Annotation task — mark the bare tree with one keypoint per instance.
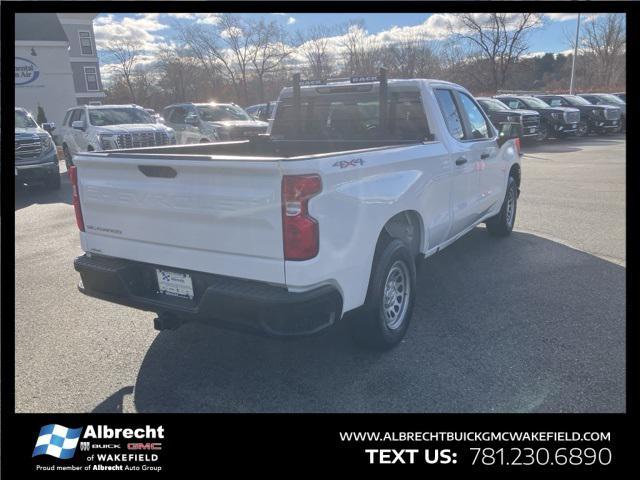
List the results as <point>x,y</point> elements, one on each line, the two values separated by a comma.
<point>125,54</point>
<point>411,57</point>
<point>268,51</point>
<point>314,46</point>
<point>222,50</point>
<point>360,51</point>
<point>499,38</point>
<point>604,40</point>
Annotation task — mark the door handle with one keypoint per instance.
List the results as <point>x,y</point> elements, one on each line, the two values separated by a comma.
<point>484,156</point>
<point>461,161</point>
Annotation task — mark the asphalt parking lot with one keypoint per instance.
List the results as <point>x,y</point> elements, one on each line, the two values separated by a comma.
<point>531,323</point>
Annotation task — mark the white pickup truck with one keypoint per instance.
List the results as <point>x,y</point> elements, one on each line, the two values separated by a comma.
<point>324,218</point>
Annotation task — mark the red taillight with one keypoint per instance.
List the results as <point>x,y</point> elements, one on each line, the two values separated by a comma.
<point>75,196</point>
<point>301,236</point>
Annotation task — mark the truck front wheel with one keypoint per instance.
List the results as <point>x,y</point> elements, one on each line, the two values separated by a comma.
<point>384,318</point>
<point>502,223</point>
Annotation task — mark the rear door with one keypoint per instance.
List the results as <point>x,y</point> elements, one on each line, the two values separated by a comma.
<point>194,213</point>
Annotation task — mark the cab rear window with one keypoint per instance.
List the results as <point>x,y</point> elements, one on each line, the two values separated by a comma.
<point>351,116</point>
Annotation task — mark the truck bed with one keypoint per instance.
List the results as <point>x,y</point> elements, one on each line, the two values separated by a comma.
<point>264,148</point>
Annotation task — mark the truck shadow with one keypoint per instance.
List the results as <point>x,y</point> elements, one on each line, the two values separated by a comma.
<point>571,144</point>
<point>521,324</point>
<point>38,194</point>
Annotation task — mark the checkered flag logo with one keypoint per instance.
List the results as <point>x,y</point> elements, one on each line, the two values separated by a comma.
<point>57,441</point>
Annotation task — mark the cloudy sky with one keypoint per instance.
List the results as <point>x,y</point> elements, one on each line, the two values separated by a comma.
<point>155,29</point>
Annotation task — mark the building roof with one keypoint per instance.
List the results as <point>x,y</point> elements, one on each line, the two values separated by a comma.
<point>39,27</point>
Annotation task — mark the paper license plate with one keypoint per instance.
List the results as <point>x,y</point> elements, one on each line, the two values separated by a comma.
<point>175,284</point>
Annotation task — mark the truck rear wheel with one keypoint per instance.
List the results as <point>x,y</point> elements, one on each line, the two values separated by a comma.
<point>384,318</point>
<point>502,224</point>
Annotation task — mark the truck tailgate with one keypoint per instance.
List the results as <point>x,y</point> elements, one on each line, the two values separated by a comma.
<point>215,216</point>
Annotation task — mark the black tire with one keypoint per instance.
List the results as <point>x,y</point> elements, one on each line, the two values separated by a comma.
<point>583,129</point>
<point>68,159</point>
<point>502,224</point>
<point>52,181</point>
<point>543,132</point>
<point>374,326</point>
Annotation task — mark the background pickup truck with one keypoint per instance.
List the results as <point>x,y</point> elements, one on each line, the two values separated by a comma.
<point>36,159</point>
<point>289,232</point>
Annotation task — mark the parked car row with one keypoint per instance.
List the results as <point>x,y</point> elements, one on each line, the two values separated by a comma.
<point>87,128</point>
<point>557,115</point>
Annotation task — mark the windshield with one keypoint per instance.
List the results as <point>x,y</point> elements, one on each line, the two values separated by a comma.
<point>534,102</point>
<point>576,101</point>
<point>611,99</point>
<point>493,104</point>
<point>24,120</point>
<point>221,113</point>
<point>101,117</point>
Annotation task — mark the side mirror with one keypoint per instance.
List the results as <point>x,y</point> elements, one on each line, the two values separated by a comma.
<point>508,131</point>
<point>49,127</point>
<point>78,125</point>
<point>191,120</point>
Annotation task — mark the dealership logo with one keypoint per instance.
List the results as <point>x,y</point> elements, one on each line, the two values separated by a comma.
<point>57,441</point>
<point>26,71</point>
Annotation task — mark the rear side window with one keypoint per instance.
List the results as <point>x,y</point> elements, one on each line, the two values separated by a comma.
<point>67,117</point>
<point>76,115</point>
<point>450,113</point>
<point>479,127</point>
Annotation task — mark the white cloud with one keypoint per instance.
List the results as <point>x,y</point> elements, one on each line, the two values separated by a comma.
<point>138,27</point>
<point>291,20</point>
<point>563,17</point>
<point>208,18</point>
<point>186,16</point>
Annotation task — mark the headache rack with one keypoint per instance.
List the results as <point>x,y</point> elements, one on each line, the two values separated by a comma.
<point>381,78</point>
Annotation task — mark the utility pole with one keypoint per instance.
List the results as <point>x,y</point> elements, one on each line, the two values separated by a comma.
<point>575,54</point>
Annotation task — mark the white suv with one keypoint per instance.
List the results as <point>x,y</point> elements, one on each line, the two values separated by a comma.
<point>89,128</point>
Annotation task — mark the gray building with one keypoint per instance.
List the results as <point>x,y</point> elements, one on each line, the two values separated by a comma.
<point>56,64</point>
<point>83,56</point>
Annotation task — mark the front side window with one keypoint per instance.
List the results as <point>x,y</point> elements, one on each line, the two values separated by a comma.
<point>24,120</point>
<point>86,46</point>
<point>91,77</point>
<point>221,113</point>
<point>556,102</point>
<point>514,103</point>
<point>479,127</point>
<point>450,113</point>
<point>101,117</point>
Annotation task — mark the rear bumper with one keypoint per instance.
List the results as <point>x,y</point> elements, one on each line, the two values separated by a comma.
<point>224,301</point>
